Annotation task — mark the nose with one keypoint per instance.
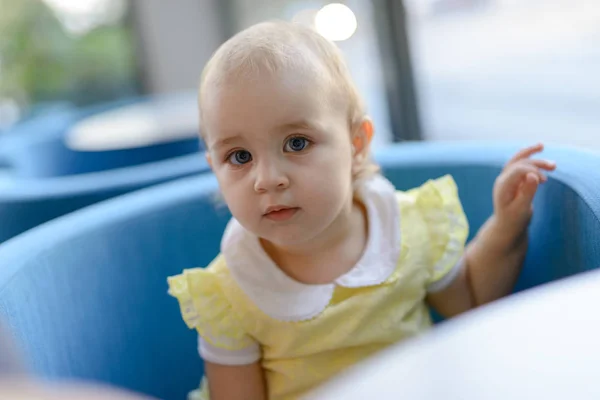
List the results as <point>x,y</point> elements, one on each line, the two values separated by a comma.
<point>270,177</point>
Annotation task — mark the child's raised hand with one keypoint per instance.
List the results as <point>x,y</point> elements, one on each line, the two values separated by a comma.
<point>517,184</point>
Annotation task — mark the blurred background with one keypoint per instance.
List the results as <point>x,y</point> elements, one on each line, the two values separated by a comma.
<point>98,99</point>
<point>428,69</point>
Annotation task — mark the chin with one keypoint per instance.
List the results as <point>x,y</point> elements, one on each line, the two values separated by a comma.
<point>281,235</point>
<point>290,236</point>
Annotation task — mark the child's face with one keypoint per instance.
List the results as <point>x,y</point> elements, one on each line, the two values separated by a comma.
<point>277,144</point>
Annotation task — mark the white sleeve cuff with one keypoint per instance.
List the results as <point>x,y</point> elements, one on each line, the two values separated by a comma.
<point>447,279</point>
<point>247,355</point>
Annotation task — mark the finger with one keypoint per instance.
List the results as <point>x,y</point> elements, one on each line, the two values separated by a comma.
<point>514,175</point>
<point>514,178</point>
<point>526,153</point>
<point>528,189</point>
<point>541,165</point>
<point>546,165</point>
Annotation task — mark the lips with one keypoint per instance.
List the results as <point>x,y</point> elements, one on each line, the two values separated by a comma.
<point>280,213</point>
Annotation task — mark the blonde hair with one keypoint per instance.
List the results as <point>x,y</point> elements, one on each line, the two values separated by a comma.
<point>276,46</point>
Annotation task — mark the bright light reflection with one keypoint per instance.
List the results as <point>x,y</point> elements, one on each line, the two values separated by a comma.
<point>336,22</point>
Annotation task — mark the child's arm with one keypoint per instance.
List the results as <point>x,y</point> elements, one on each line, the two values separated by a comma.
<point>494,257</point>
<point>245,382</point>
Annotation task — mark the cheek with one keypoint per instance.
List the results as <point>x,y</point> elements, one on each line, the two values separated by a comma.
<point>336,160</point>
<point>235,190</point>
<point>330,174</point>
<point>227,185</point>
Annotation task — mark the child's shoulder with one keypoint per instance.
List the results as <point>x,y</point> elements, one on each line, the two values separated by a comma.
<point>434,211</point>
<point>199,278</point>
<point>197,289</point>
<point>217,266</point>
<point>205,305</point>
<point>434,193</point>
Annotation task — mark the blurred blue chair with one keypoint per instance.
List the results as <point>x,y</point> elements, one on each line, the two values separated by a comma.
<point>26,203</point>
<point>37,147</point>
<point>85,295</point>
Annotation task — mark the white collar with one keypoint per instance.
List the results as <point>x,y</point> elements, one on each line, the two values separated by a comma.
<point>284,298</point>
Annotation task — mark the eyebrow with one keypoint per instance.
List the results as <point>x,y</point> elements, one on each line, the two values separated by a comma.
<point>226,141</point>
<point>284,127</point>
<point>296,125</point>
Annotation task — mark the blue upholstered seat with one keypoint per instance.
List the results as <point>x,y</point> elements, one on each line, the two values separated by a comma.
<point>85,295</point>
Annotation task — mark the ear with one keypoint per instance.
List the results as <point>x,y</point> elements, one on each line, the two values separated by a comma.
<point>361,140</point>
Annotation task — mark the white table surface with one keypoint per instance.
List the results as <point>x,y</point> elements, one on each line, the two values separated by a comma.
<point>541,344</point>
<point>137,125</point>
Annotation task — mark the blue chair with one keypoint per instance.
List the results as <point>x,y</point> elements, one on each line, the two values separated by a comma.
<point>37,147</point>
<point>85,295</point>
<point>565,228</point>
<point>26,203</point>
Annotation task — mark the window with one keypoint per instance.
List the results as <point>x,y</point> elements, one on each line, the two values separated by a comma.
<point>507,69</point>
<point>76,51</point>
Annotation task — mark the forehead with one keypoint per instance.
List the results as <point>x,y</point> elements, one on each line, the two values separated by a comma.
<point>268,100</point>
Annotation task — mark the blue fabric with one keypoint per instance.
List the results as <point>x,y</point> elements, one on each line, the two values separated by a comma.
<point>565,230</point>
<point>36,148</point>
<point>85,295</point>
<point>26,203</point>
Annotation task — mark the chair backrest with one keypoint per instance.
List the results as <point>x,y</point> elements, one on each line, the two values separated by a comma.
<point>565,230</point>
<point>26,203</point>
<point>37,147</point>
<point>92,303</point>
<point>85,295</point>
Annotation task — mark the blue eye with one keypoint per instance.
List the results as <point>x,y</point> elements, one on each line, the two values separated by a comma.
<point>240,157</point>
<point>296,144</point>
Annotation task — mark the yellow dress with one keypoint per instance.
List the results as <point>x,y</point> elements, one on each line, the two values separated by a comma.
<point>297,356</point>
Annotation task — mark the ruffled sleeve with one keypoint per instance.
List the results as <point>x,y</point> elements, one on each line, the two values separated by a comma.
<point>205,307</point>
<point>446,223</point>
